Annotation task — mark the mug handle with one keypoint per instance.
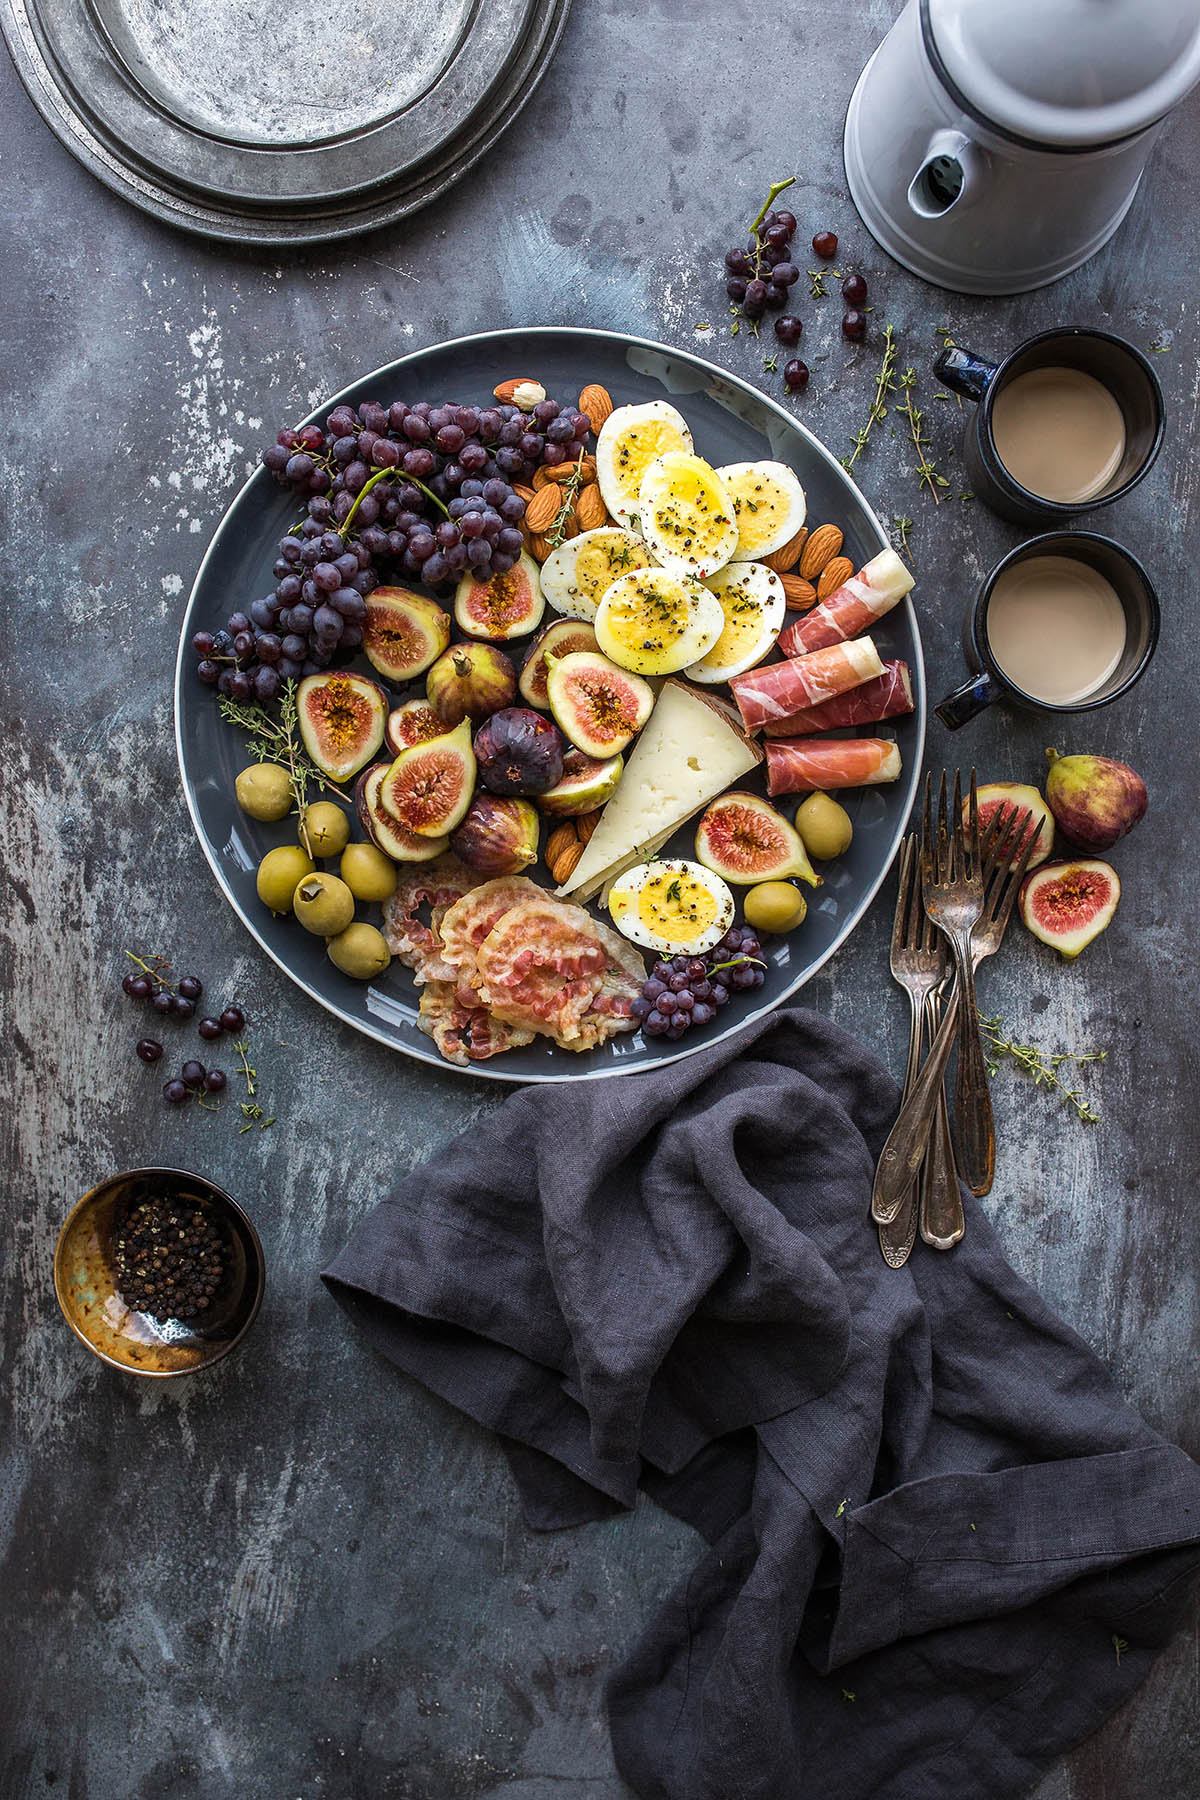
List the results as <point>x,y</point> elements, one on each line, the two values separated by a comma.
<point>982,690</point>
<point>964,372</point>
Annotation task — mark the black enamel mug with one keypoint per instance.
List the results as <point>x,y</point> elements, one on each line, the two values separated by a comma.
<point>1117,365</point>
<point>1139,602</point>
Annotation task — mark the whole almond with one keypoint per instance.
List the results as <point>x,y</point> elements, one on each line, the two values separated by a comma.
<point>833,575</point>
<point>823,545</point>
<point>526,493</point>
<point>539,547</point>
<point>520,391</point>
<point>798,594</point>
<point>596,402</point>
<point>591,509</point>
<point>542,477</point>
<point>564,848</point>
<point>586,824</point>
<point>542,510</point>
<point>789,555</point>
<point>583,467</point>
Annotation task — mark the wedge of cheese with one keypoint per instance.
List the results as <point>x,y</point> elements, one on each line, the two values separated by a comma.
<point>690,750</point>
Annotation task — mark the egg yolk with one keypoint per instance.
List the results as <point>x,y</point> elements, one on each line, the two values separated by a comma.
<point>675,907</point>
<point>637,449</point>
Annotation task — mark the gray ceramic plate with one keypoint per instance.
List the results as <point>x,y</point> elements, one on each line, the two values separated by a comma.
<point>730,422</point>
<point>266,124</point>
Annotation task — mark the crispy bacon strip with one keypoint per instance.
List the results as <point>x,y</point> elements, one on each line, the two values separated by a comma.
<point>887,697</point>
<point>778,690</point>
<point>854,607</point>
<point>800,766</point>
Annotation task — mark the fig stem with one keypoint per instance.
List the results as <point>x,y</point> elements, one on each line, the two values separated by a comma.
<point>378,476</point>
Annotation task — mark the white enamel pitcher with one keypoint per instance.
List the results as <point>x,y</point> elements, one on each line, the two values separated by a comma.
<point>993,145</point>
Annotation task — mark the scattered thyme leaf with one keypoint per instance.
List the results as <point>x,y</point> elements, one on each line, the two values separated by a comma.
<point>674,892</point>
<point>927,469</point>
<point>816,285</point>
<point>900,530</point>
<point>253,1115</point>
<point>570,491</point>
<point>1043,1067</point>
<point>1120,1645</point>
<point>771,364</point>
<point>849,1694</point>
<point>841,1507</point>
<point>884,385</point>
<point>1160,346</point>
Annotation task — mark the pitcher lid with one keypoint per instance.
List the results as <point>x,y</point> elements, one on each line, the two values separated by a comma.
<point>1068,72</point>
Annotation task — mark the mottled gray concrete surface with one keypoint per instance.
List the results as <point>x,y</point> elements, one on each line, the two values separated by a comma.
<point>300,1575</point>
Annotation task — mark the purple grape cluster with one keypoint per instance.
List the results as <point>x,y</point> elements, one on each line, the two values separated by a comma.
<point>759,279</point>
<point>688,990</point>
<point>424,492</point>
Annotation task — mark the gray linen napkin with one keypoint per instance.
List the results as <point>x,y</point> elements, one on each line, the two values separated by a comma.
<point>918,1488</point>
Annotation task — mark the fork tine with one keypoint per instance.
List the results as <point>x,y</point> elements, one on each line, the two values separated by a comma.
<point>903,898</point>
<point>927,846</point>
<point>974,825</point>
<point>1016,876</point>
<point>945,858</point>
<point>995,833</point>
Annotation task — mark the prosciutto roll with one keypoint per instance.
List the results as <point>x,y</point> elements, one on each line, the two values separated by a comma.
<point>802,765</point>
<point>778,690</point>
<point>887,697</point>
<point>855,606</point>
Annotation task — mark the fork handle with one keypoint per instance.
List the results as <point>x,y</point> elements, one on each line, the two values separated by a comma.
<point>898,1236</point>
<point>942,1220</point>
<point>974,1128</point>
<point>901,1155</point>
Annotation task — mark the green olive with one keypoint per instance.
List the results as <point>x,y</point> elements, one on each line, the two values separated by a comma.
<point>264,791</point>
<point>367,872</point>
<point>360,951</point>
<point>325,829</point>
<point>775,906</point>
<point>824,827</point>
<point>323,904</point>
<point>278,874</point>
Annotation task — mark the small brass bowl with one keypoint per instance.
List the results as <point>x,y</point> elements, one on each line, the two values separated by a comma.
<point>85,1282</point>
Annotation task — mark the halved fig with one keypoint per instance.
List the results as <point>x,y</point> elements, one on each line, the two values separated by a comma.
<point>1026,799</point>
<point>598,706</point>
<point>403,633</point>
<point>585,784</point>
<point>561,638</point>
<point>394,840</point>
<point>470,681</point>
<point>1067,904</point>
<point>744,839</point>
<point>342,718</point>
<point>413,723</point>
<point>504,606</point>
<point>429,786</point>
<point>499,835</point>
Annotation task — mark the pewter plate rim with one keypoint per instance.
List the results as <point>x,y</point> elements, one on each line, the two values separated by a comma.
<point>381,201</point>
<point>188,696</point>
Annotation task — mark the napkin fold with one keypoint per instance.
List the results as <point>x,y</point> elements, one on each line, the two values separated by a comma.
<point>940,1546</point>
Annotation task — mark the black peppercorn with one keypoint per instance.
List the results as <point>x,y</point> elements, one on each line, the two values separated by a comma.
<point>169,1257</point>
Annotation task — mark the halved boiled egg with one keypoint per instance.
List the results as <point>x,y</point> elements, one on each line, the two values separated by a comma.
<point>656,622</point>
<point>686,515</point>
<point>752,600</point>
<point>575,575</point>
<point>769,506</point>
<point>671,905</point>
<point>628,441</point>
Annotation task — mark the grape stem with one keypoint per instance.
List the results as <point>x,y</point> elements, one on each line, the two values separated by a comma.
<point>777,188</point>
<point>378,476</point>
<point>154,970</point>
<point>736,963</point>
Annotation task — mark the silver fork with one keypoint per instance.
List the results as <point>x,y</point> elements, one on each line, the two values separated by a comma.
<point>918,963</point>
<point>952,885</point>
<point>942,1220</point>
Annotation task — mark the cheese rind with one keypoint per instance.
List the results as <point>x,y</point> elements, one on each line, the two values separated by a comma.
<point>689,751</point>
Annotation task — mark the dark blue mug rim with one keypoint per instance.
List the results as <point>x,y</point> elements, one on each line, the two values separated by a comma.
<point>1070,509</point>
<point>1043,545</point>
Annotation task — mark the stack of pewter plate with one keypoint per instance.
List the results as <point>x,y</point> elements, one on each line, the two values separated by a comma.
<point>256,123</point>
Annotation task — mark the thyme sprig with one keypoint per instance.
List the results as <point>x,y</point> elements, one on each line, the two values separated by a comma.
<point>901,527</point>
<point>1043,1067</point>
<point>277,740</point>
<point>562,518</point>
<point>928,473</point>
<point>249,1075</point>
<point>884,385</point>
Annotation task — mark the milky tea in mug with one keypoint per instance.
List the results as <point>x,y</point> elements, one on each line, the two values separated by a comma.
<point>1060,433</point>
<point>1056,628</point>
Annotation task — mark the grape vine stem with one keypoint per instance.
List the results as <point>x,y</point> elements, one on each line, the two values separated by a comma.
<point>378,476</point>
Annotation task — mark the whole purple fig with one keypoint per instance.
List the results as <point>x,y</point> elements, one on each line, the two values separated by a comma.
<point>519,752</point>
<point>1094,799</point>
